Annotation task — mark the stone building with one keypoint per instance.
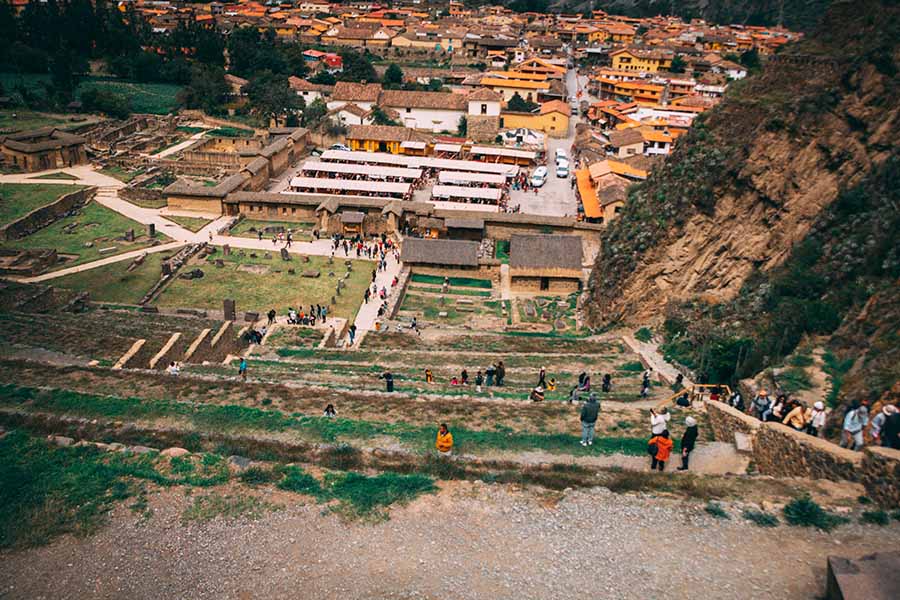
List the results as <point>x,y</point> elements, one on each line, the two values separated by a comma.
<point>42,149</point>
<point>545,263</point>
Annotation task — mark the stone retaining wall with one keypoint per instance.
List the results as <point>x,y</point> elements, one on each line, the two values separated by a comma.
<point>45,215</point>
<point>781,451</point>
<point>136,194</point>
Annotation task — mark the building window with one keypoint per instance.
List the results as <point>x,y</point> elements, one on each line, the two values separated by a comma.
<point>409,110</point>
<point>484,109</point>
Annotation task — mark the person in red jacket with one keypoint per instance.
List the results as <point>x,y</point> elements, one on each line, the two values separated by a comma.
<point>663,450</point>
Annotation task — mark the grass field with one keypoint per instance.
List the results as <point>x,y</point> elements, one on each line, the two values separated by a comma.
<point>230,132</point>
<point>454,281</point>
<point>95,224</point>
<point>114,283</point>
<point>19,199</point>
<point>121,174</point>
<point>155,98</point>
<point>26,119</point>
<point>271,286</point>
<point>195,224</point>
<point>57,175</point>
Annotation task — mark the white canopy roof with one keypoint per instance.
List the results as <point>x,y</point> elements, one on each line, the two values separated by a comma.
<point>312,183</point>
<point>357,169</point>
<point>447,147</point>
<point>452,191</point>
<point>413,145</point>
<point>384,158</point>
<point>510,152</point>
<point>463,177</point>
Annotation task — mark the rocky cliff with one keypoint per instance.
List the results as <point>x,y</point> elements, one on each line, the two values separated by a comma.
<point>776,216</point>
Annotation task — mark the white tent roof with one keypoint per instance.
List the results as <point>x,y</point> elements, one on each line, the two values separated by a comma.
<point>384,158</point>
<point>312,183</point>
<point>462,177</point>
<point>357,169</point>
<point>472,166</point>
<point>452,191</point>
<point>413,145</point>
<point>447,147</point>
<point>510,152</point>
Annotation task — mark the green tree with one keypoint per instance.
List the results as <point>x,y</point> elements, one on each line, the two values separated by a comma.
<point>379,117</point>
<point>519,104</point>
<point>270,95</point>
<point>94,99</point>
<point>323,78</point>
<point>357,67</point>
<point>462,128</point>
<point>206,90</point>
<point>678,64</point>
<point>750,60</point>
<point>295,62</point>
<point>62,76</point>
<point>393,76</point>
<point>314,113</point>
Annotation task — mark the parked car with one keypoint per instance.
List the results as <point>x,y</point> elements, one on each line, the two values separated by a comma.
<point>339,147</point>
<point>562,169</point>
<point>575,110</point>
<point>539,177</point>
<point>561,156</point>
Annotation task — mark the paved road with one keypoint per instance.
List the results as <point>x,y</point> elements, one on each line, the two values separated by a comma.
<point>556,197</point>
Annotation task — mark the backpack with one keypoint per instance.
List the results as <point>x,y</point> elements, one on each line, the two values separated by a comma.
<point>652,449</point>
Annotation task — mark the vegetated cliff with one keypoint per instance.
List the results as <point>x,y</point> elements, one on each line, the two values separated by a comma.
<point>798,15</point>
<point>778,215</point>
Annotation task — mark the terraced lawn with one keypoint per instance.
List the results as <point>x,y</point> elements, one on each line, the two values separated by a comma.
<point>19,199</point>
<point>194,224</point>
<point>259,284</point>
<point>249,228</point>
<point>115,283</point>
<point>85,234</point>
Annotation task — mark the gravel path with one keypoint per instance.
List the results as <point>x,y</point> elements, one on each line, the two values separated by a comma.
<point>469,541</point>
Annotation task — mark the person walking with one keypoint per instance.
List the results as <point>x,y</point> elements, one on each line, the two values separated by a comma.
<point>815,419</point>
<point>479,381</point>
<point>589,414</point>
<point>271,316</point>
<point>429,376</point>
<point>688,439</point>
<point>855,420</point>
<point>352,333</point>
<point>663,446</point>
<point>645,384</point>
<point>464,377</point>
<point>607,383</point>
<point>542,377</point>
<point>388,381</point>
<point>501,373</point>
<point>878,422</point>
<point>242,369</point>
<point>489,375</point>
<point>444,441</point>
<point>659,421</point>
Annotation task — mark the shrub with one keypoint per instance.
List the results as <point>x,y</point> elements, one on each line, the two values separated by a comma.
<point>875,517</point>
<point>716,510</point>
<point>299,481</point>
<point>805,512</point>
<point>631,367</point>
<point>643,335</point>
<point>760,518</point>
<point>258,476</point>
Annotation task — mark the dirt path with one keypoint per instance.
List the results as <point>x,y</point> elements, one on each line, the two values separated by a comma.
<point>470,541</point>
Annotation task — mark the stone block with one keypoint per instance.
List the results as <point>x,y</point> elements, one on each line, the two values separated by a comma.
<point>228,307</point>
<point>174,452</point>
<point>872,577</point>
<point>251,317</point>
<point>743,443</point>
<point>312,273</point>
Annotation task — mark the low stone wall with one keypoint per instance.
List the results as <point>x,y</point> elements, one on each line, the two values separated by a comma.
<point>134,194</point>
<point>45,215</point>
<point>781,451</point>
<point>725,420</point>
<point>880,474</point>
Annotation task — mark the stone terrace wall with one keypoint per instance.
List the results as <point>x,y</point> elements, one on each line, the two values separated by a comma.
<point>881,475</point>
<point>45,215</point>
<point>725,420</point>
<point>780,451</point>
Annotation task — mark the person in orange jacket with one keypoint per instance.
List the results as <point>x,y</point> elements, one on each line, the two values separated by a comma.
<point>663,450</point>
<point>444,442</point>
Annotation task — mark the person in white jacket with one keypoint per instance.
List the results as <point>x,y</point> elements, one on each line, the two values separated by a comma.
<point>815,419</point>
<point>659,422</point>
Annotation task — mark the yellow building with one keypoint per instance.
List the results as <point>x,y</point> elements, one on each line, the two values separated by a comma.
<point>382,138</point>
<point>649,61</point>
<point>553,119</point>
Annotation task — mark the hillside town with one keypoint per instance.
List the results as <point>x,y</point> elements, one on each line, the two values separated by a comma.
<point>292,290</point>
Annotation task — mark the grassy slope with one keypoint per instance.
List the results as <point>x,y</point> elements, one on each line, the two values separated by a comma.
<point>18,199</point>
<point>114,283</point>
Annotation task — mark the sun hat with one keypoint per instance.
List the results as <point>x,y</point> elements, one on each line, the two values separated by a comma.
<point>819,406</point>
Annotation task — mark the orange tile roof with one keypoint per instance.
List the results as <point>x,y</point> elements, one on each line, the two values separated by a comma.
<point>588,194</point>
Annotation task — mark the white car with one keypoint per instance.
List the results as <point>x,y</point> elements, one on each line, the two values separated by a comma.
<point>561,156</point>
<point>339,147</point>
<point>539,177</point>
<point>562,169</point>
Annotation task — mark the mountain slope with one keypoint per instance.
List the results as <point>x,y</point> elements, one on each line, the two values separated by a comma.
<point>777,216</point>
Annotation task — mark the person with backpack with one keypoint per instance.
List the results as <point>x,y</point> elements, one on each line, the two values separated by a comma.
<point>815,419</point>
<point>760,404</point>
<point>589,414</point>
<point>688,440</point>
<point>855,420</point>
<point>660,448</point>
